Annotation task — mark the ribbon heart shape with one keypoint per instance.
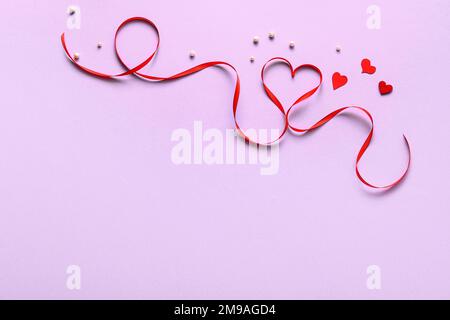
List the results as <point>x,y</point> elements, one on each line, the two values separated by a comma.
<point>136,70</point>
<point>327,118</point>
<point>293,71</point>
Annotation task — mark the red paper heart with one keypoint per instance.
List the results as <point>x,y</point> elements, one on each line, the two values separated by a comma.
<point>339,80</point>
<point>385,88</point>
<point>367,67</point>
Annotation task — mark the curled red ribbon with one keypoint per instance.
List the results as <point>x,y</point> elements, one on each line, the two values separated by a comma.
<point>136,71</point>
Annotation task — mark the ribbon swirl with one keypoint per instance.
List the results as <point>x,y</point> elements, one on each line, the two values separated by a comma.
<point>136,70</point>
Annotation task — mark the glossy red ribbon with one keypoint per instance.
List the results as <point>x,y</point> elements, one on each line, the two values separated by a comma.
<point>137,71</point>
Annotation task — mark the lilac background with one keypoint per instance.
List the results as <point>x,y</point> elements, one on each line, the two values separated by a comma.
<point>86,176</point>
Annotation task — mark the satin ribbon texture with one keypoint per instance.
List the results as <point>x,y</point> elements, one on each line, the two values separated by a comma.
<point>136,70</point>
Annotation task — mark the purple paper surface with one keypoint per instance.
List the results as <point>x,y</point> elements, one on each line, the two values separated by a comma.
<point>87,179</point>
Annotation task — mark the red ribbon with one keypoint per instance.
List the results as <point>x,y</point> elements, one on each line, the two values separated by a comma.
<point>136,71</point>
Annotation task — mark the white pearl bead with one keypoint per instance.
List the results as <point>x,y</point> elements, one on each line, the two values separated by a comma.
<point>76,56</point>
<point>99,45</point>
<point>71,10</point>
<point>192,54</point>
<point>338,49</point>
<point>292,44</point>
<point>255,39</point>
<point>252,59</point>
<point>271,35</point>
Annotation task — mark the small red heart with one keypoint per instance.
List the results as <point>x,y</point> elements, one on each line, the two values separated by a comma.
<point>367,67</point>
<point>385,88</point>
<point>339,80</point>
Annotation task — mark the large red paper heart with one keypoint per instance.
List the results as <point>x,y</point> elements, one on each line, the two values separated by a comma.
<point>367,67</point>
<point>385,88</point>
<point>339,80</point>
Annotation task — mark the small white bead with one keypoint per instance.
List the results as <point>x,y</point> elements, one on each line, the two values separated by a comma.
<point>252,59</point>
<point>192,54</point>
<point>99,45</point>
<point>271,35</point>
<point>76,56</point>
<point>71,10</point>
<point>338,49</point>
<point>292,44</point>
<point>255,39</point>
